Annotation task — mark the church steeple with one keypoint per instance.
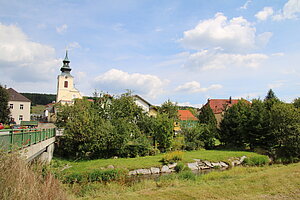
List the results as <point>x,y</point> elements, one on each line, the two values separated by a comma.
<point>65,69</point>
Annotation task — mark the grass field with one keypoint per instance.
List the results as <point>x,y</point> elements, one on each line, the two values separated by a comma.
<point>275,182</point>
<point>38,109</point>
<point>149,161</point>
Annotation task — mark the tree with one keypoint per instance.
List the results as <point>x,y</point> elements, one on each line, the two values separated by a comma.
<point>232,128</point>
<point>271,99</point>
<point>169,108</point>
<point>4,110</point>
<point>258,126</point>
<point>296,102</point>
<point>206,116</point>
<point>164,131</point>
<point>286,128</point>
<point>270,95</point>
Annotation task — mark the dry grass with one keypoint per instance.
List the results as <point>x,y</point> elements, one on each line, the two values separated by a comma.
<point>20,181</point>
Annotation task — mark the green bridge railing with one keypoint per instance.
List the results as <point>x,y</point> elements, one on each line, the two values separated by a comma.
<point>19,138</point>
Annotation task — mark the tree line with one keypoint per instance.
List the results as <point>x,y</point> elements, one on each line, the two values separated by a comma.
<point>40,99</point>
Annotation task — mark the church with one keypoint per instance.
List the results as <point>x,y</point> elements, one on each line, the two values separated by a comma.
<point>66,92</point>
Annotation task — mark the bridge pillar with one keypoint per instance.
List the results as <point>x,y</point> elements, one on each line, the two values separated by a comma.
<point>47,155</point>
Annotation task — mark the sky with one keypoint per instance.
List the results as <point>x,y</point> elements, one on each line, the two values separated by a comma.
<point>183,50</point>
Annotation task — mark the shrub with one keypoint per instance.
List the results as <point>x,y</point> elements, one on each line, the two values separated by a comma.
<point>106,175</point>
<point>74,178</point>
<point>172,157</point>
<point>181,167</point>
<point>187,175</point>
<point>257,160</point>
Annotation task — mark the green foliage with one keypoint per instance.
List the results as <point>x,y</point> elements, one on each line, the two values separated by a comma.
<point>233,132</point>
<point>4,110</point>
<point>296,102</point>
<point>286,129</point>
<point>73,178</point>
<point>187,175</point>
<point>206,116</point>
<point>106,175</point>
<point>170,109</point>
<point>181,167</point>
<point>257,160</point>
<point>172,157</point>
<point>164,132</point>
<point>40,99</point>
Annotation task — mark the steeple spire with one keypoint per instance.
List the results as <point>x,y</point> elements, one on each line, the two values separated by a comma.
<point>65,69</point>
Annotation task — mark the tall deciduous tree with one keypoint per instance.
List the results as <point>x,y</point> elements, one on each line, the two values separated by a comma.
<point>169,108</point>
<point>296,102</point>
<point>4,110</point>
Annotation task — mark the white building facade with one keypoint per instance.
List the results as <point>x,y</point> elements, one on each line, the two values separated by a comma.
<point>19,106</point>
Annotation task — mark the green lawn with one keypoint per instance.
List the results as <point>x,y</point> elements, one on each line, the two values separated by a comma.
<point>38,109</point>
<point>275,182</point>
<point>149,161</point>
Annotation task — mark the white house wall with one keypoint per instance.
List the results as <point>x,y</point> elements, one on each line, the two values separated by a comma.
<point>15,112</point>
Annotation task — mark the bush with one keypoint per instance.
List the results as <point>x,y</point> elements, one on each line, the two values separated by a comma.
<point>257,160</point>
<point>106,175</point>
<point>187,175</point>
<point>172,157</point>
<point>74,178</point>
<point>181,167</point>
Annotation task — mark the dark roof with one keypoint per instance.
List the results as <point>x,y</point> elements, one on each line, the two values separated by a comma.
<point>186,115</point>
<point>15,96</point>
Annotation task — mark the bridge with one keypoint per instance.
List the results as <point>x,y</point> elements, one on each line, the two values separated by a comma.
<point>31,143</point>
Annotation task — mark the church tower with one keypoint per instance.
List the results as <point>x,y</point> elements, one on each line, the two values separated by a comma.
<point>66,92</point>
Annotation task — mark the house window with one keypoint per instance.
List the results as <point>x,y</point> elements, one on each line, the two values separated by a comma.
<point>21,106</point>
<point>66,84</point>
<point>11,106</point>
<point>20,117</point>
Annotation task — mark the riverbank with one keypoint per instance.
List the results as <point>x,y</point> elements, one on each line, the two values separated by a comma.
<point>267,182</point>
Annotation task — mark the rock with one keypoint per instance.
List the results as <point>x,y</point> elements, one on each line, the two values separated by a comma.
<point>204,167</point>
<point>110,167</point>
<point>155,170</point>
<point>207,163</point>
<point>165,169</point>
<point>143,171</point>
<point>200,163</point>
<point>193,166</point>
<point>216,164</point>
<point>172,165</point>
<point>197,160</point>
<point>115,157</point>
<point>223,164</point>
<point>242,159</point>
<point>132,172</point>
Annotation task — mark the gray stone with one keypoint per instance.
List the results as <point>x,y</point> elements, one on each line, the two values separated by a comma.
<point>204,167</point>
<point>223,164</point>
<point>132,172</point>
<point>242,159</point>
<point>197,160</point>
<point>216,164</point>
<point>143,171</point>
<point>165,169</point>
<point>193,166</point>
<point>110,167</point>
<point>207,163</point>
<point>172,165</point>
<point>155,170</point>
<point>200,163</point>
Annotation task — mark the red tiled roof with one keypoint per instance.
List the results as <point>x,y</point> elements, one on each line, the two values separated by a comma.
<point>219,105</point>
<point>186,115</point>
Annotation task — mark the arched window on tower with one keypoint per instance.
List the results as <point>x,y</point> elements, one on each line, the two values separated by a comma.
<point>66,84</point>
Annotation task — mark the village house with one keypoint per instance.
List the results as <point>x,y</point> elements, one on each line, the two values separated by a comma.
<point>145,105</point>
<point>186,120</point>
<point>19,107</point>
<point>219,106</point>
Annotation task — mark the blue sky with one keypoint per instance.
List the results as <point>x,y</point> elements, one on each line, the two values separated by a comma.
<point>185,51</point>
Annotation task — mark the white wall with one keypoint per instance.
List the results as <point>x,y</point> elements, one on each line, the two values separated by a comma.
<point>16,111</point>
<point>142,104</point>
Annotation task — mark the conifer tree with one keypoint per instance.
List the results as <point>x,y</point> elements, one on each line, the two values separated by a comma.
<point>4,110</point>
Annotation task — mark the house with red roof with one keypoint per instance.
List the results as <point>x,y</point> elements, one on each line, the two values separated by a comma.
<point>186,119</point>
<point>219,106</point>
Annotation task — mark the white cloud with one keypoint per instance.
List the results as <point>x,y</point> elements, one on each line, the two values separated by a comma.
<point>190,104</point>
<point>264,14</point>
<point>232,35</point>
<point>289,11</point>
<point>245,6</point>
<point>116,80</point>
<point>276,84</point>
<point>195,87</point>
<point>278,54</point>
<point>73,45</point>
<point>23,60</point>
<point>215,60</point>
<point>62,29</point>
